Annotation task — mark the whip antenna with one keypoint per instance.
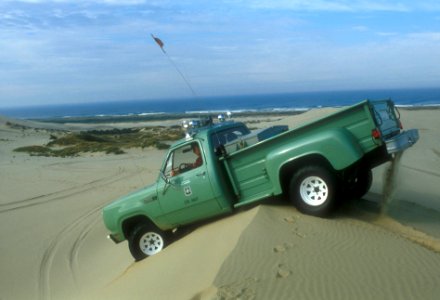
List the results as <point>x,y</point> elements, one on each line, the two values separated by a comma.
<point>161,45</point>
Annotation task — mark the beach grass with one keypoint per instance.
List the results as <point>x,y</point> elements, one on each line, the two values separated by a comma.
<point>113,141</point>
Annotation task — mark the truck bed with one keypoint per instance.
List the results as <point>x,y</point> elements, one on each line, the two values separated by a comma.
<point>253,168</point>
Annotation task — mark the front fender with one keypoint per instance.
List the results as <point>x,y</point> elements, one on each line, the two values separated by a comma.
<point>137,211</point>
<point>338,146</point>
<point>142,202</point>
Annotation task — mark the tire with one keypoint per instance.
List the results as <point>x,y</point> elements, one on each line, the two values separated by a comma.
<point>146,240</point>
<point>361,184</point>
<point>313,190</point>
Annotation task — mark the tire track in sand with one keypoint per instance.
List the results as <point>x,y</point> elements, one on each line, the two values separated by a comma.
<point>41,199</point>
<point>85,223</point>
<point>51,250</point>
<point>79,241</point>
<point>422,171</point>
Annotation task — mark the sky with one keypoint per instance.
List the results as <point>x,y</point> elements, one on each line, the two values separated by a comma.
<point>73,51</point>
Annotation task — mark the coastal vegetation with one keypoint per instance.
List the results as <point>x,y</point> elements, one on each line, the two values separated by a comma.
<point>116,141</point>
<point>112,141</point>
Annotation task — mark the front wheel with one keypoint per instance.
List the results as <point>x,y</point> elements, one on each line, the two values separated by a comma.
<point>146,240</point>
<point>313,190</point>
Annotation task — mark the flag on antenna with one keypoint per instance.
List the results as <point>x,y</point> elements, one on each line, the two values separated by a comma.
<point>158,42</point>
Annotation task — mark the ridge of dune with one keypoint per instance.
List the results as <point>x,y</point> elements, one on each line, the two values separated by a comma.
<point>187,265</point>
<point>275,252</point>
<point>283,254</point>
<point>409,233</point>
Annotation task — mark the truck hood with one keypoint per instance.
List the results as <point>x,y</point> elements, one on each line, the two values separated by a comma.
<point>147,194</point>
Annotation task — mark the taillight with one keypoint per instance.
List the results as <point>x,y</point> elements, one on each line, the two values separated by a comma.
<point>400,125</point>
<point>375,133</point>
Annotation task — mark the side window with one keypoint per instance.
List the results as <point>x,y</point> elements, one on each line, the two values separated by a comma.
<point>183,159</point>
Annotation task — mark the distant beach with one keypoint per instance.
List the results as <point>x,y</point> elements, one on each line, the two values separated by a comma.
<point>287,103</point>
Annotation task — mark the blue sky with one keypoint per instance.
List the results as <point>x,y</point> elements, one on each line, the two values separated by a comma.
<point>68,51</point>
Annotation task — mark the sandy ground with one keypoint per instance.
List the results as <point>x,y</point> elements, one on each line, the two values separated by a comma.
<point>54,246</point>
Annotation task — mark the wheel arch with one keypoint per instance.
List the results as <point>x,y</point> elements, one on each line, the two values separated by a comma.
<point>335,149</point>
<point>129,224</point>
<point>289,168</point>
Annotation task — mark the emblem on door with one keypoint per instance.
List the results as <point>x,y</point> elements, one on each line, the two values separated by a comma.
<point>187,190</point>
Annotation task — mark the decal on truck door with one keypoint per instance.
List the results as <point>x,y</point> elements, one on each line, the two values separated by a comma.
<point>187,190</point>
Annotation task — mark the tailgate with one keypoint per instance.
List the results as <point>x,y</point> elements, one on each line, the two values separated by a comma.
<point>387,119</point>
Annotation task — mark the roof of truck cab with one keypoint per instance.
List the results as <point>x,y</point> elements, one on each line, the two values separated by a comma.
<point>205,132</point>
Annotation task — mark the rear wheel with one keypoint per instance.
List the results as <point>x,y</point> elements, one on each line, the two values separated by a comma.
<point>146,240</point>
<point>360,184</point>
<point>313,190</point>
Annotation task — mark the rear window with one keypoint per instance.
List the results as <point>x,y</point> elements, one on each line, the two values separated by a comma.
<point>386,118</point>
<point>228,135</point>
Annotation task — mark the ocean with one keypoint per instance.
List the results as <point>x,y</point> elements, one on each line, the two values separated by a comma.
<point>241,103</point>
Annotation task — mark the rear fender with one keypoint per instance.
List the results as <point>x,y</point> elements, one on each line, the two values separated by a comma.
<point>337,148</point>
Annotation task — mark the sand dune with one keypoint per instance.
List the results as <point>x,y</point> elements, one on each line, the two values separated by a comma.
<point>54,246</point>
<point>311,258</point>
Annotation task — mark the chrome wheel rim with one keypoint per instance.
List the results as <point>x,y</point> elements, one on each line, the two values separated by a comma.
<point>314,191</point>
<point>151,243</point>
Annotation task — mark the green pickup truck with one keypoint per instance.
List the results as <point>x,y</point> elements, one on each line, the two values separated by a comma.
<point>222,166</point>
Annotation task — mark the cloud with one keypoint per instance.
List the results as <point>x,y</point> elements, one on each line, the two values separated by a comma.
<point>387,34</point>
<point>360,28</point>
<point>332,6</point>
<point>425,36</point>
<point>404,60</point>
<point>344,5</point>
<point>112,2</point>
<point>95,49</point>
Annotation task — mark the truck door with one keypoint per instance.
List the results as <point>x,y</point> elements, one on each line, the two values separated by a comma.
<point>186,195</point>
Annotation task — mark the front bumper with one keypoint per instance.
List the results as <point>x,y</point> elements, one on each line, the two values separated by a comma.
<point>402,141</point>
<point>115,238</point>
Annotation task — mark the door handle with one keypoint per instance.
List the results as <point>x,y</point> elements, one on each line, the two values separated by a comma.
<point>201,174</point>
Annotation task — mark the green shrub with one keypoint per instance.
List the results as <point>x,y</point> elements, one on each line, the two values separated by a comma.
<point>35,150</point>
<point>162,146</point>
<point>108,141</point>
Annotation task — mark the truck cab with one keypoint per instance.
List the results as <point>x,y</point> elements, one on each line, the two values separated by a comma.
<point>190,186</point>
<point>192,182</point>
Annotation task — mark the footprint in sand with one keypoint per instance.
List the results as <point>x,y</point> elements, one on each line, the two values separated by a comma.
<point>238,290</point>
<point>282,247</point>
<point>279,249</point>
<point>297,233</point>
<point>290,220</point>
<point>282,271</point>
